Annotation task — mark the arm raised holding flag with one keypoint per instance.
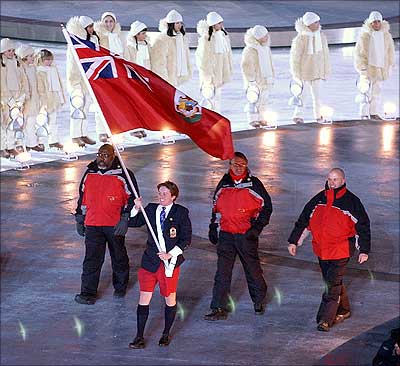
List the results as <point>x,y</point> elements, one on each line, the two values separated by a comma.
<point>130,96</point>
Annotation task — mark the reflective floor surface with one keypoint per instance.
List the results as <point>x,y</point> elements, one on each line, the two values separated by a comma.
<point>41,257</point>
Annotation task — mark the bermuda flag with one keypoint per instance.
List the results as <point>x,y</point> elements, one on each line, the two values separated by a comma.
<point>131,97</point>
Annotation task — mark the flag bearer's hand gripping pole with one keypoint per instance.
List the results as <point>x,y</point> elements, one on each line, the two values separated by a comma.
<point>107,128</point>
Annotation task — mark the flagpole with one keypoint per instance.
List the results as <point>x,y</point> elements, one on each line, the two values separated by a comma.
<point>89,87</point>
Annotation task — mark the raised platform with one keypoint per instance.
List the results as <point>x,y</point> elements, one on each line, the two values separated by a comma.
<point>341,20</point>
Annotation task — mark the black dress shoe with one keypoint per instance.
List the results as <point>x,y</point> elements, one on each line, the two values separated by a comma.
<point>342,317</point>
<point>165,340</point>
<point>78,140</point>
<point>57,145</point>
<point>323,327</point>
<point>4,154</point>
<point>88,140</point>
<point>376,117</point>
<point>216,314</point>
<point>119,293</point>
<point>137,343</point>
<point>39,148</point>
<point>103,137</point>
<point>259,308</point>
<point>85,300</point>
<point>12,152</point>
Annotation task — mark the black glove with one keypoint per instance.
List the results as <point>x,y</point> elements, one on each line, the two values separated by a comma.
<point>252,234</point>
<point>213,233</point>
<point>80,224</point>
<point>122,227</point>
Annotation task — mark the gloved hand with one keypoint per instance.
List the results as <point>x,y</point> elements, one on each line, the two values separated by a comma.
<point>252,234</point>
<point>122,227</point>
<point>213,233</point>
<point>80,224</point>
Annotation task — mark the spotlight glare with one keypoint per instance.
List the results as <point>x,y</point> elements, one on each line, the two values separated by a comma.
<point>231,304</point>
<point>79,326</point>
<point>181,311</point>
<point>22,331</point>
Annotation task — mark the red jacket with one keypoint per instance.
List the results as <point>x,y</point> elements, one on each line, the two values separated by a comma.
<point>241,205</point>
<point>105,194</point>
<point>338,223</point>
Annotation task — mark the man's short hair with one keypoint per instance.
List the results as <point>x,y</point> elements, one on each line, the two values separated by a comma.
<point>171,186</point>
<point>238,154</point>
<point>107,147</point>
<point>338,170</point>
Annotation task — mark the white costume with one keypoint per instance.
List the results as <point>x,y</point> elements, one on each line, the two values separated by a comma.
<point>257,70</point>
<point>213,58</point>
<point>373,59</point>
<point>309,60</point>
<point>170,54</point>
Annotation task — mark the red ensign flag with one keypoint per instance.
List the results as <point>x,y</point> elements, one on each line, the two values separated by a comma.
<point>131,96</point>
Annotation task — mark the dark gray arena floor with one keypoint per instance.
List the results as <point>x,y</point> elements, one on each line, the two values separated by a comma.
<point>41,257</point>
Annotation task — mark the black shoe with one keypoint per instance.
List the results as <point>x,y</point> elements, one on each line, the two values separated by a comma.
<point>342,317</point>
<point>38,148</point>
<point>103,137</point>
<point>85,300</point>
<point>137,343</point>
<point>323,326</point>
<point>259,308</point>
<point>376,117</point>
<point>79,141</point>
<point>139,134</point>
<point>88,140</point>
<point>57,145</point>
<point>12,152</point>
<point>4,154</point>
<point>216,314</point>
<point>119,293</point>
<point>164,340</point>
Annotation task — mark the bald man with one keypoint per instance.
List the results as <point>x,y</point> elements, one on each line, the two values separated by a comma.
<point>339,224</point>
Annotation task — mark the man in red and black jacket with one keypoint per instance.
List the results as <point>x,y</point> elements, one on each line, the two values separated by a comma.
<point>102,214</point>
<point>245,208</point>
<point>339,224</point>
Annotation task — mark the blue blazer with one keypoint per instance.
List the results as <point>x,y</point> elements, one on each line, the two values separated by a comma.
<point>177,231</point>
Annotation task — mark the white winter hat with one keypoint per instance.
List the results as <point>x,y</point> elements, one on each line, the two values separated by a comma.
<point>375,15</point>
<point>137,27</point>
<point>310,18</point>
<point>7,44</point>
<point>259,31</point>
<point>213,18</point>
<point>108,13</point>
<point>173,17</point>
<point>24,50</point>
<point>84,21</point>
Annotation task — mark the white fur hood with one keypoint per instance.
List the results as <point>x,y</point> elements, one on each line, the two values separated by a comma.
<point>301,28</point>
<point>163,26</point>
<point>202,27</point>
<point>100,28</point>
<point>74,26</point>
<point>251,41</point>
<point>367,27</point>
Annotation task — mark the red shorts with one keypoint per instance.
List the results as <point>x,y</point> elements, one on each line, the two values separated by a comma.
<point>148,280</point>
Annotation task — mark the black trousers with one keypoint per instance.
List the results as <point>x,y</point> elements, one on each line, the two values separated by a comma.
<point>334,299</point>
<point>96,238</point>
<point>229,245</point>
